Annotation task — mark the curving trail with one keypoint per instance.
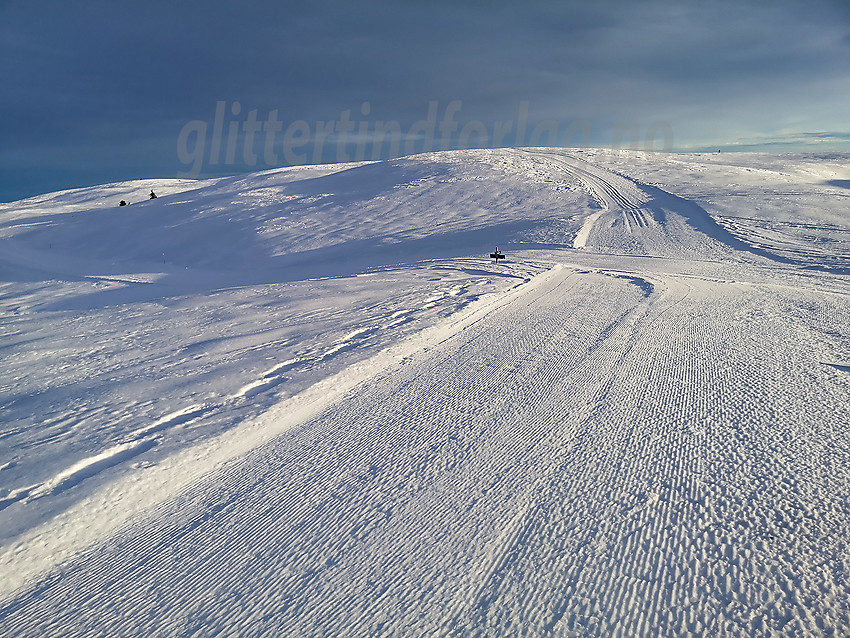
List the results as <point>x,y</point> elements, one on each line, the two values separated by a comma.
<point>640,219</point>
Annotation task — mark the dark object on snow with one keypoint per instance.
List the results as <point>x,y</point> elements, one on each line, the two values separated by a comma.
<point>123,203</point>
<point>153,195</point>
<point>497,255</point>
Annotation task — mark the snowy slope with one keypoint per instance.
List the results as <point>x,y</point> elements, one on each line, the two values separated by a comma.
<point>263,278</point>
<point>304,402</point>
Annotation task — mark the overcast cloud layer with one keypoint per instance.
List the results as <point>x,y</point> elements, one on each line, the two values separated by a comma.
<point>100,91</point>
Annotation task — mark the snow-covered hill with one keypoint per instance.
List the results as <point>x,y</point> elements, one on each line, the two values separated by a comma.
<point>306,402</point>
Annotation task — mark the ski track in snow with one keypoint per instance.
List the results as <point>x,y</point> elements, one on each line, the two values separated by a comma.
<point>650,439</point>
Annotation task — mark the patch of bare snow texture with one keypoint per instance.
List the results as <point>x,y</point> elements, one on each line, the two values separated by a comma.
<point>305,402</point>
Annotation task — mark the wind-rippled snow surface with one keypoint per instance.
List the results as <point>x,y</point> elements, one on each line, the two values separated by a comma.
<point>305,403</point>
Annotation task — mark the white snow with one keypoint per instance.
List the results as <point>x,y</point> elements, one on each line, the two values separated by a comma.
<point>305,402</point>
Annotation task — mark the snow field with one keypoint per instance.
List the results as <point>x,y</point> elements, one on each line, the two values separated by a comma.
<point>578,446</point>
<point>635,426</point>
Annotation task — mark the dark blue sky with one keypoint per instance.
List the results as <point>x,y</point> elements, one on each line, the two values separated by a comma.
<point>100,91</point>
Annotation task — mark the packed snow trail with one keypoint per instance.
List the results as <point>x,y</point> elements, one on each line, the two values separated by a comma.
<point>604,455</point>
<point>640,219</point>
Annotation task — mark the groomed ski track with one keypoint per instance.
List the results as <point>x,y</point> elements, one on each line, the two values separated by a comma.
<point>607,452</point>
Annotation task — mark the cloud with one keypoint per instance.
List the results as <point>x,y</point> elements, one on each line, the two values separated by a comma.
<point>812,140</point>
